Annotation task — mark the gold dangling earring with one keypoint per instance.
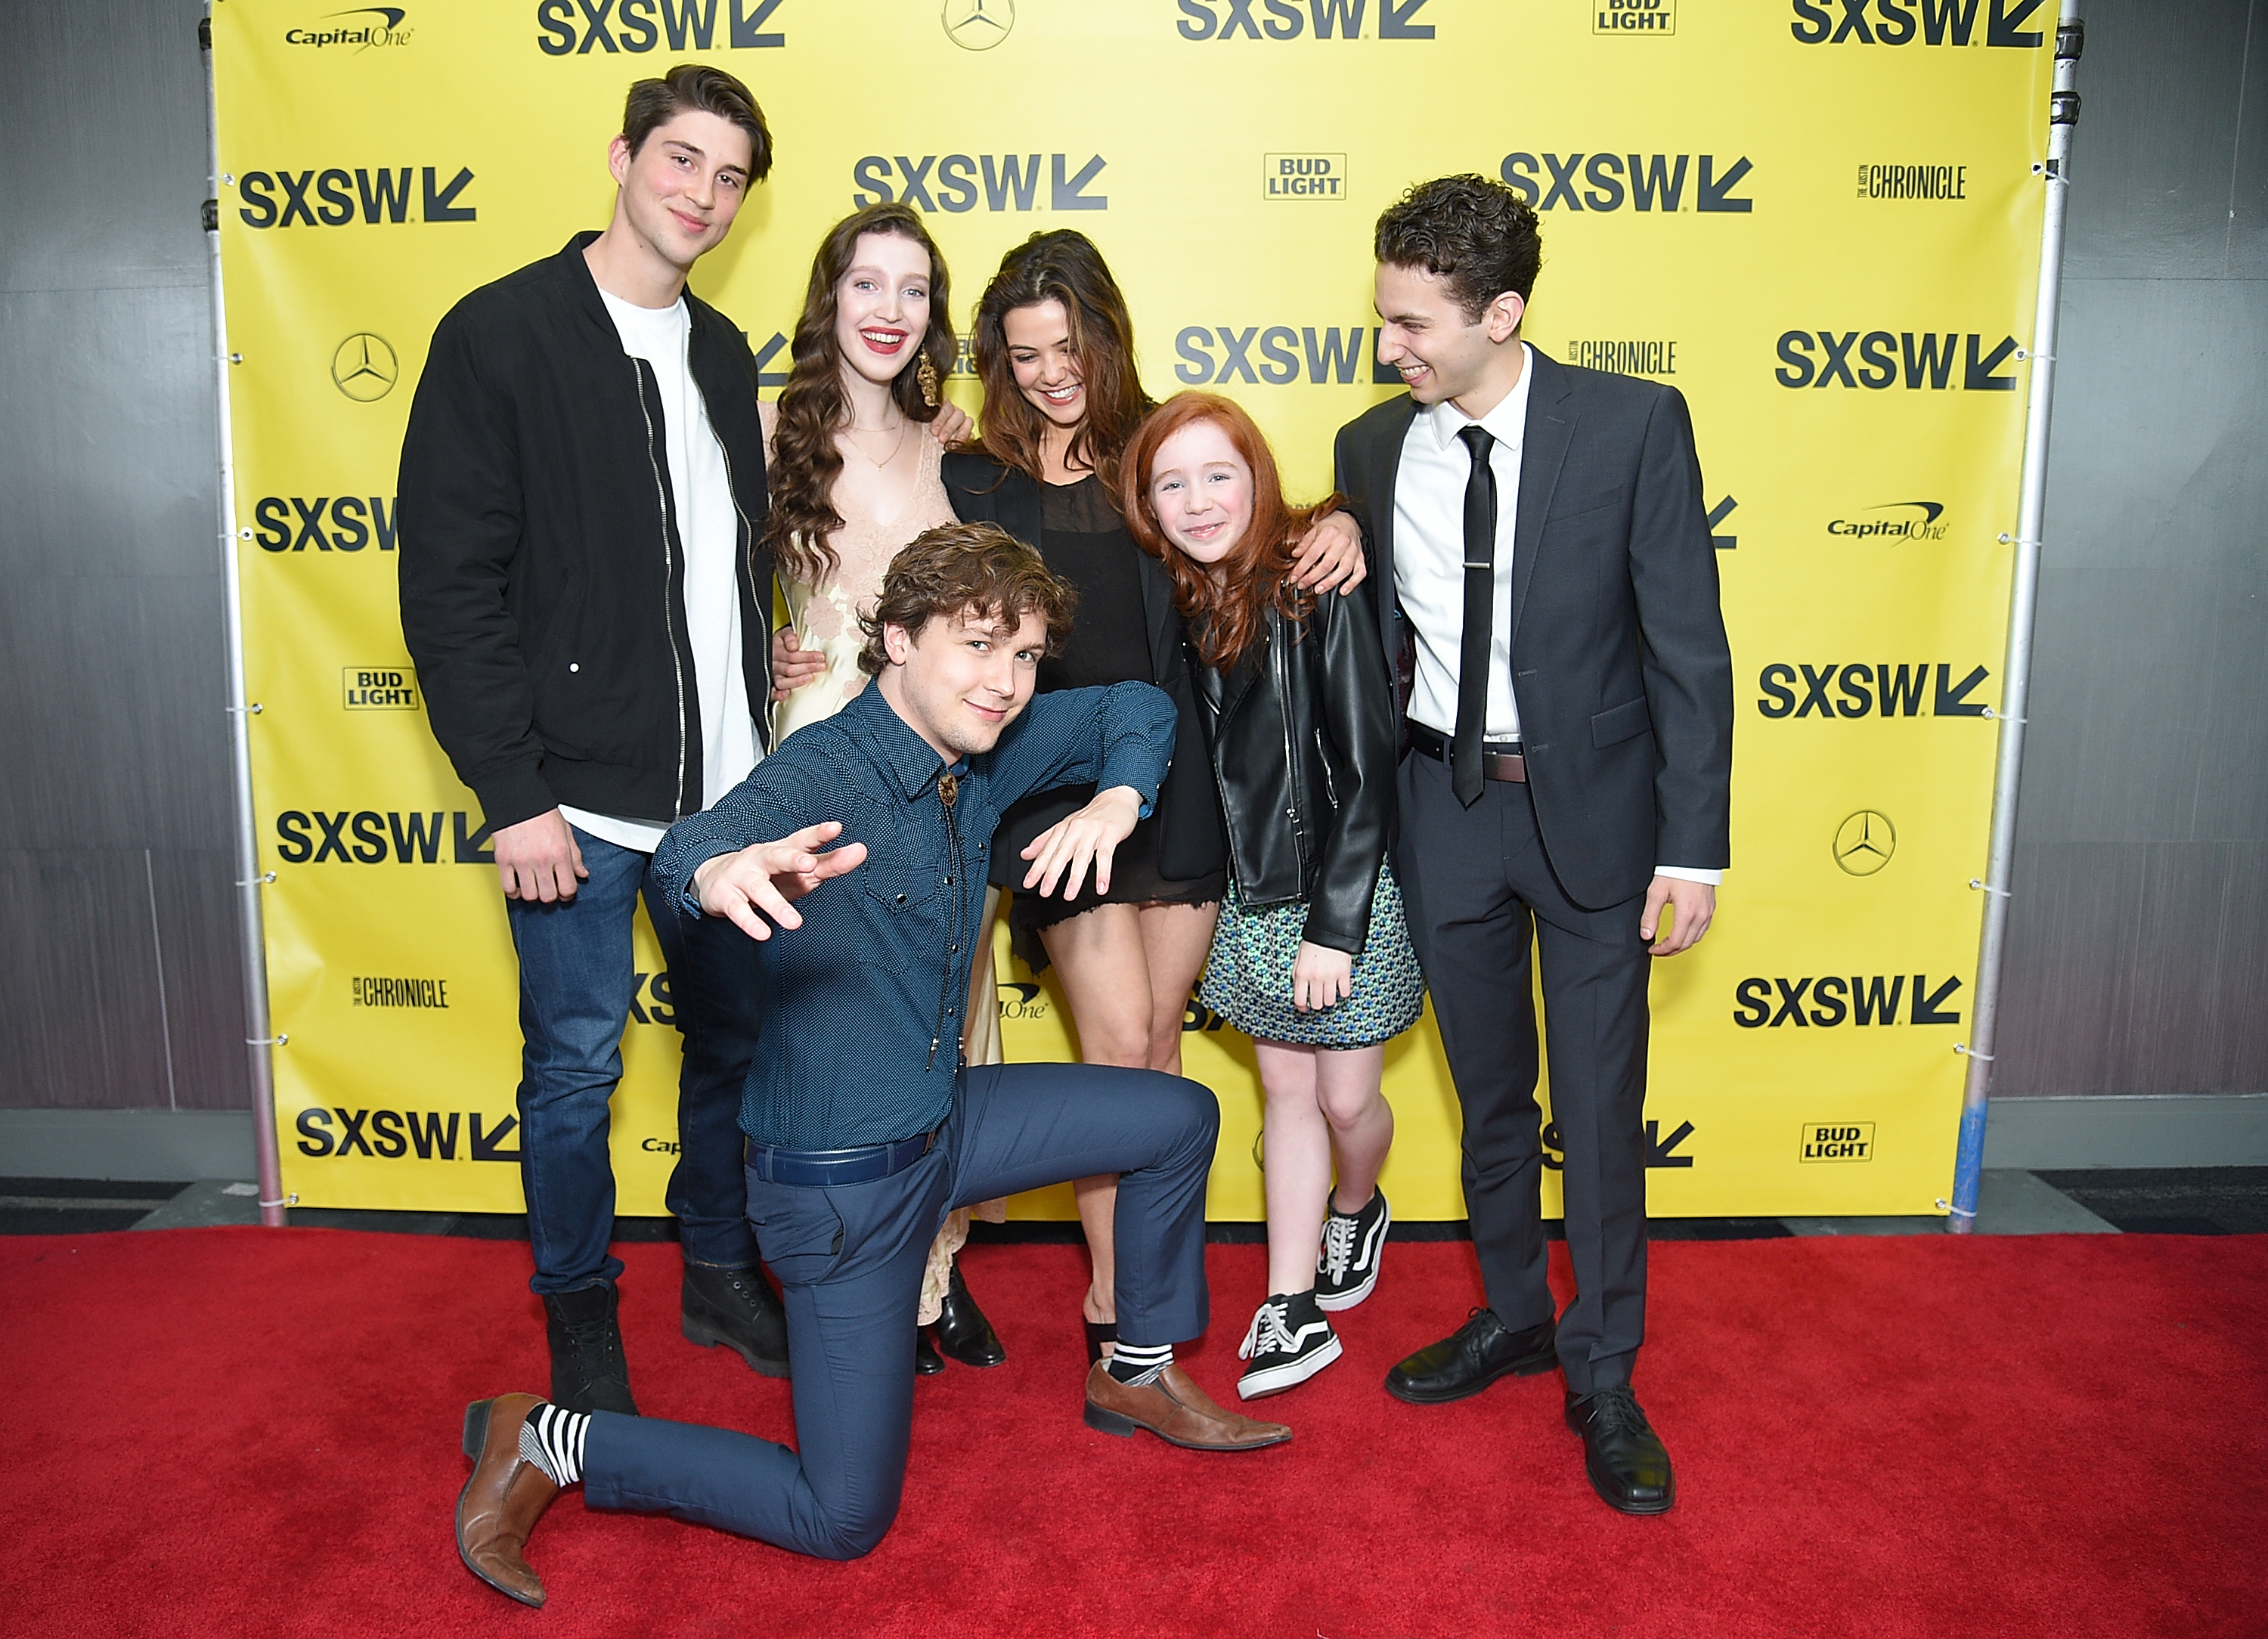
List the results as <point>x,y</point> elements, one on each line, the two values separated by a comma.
<point>926,375</point>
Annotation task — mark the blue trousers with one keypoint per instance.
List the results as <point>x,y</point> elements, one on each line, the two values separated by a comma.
<point>576,983</point>
<point>850,1259</point>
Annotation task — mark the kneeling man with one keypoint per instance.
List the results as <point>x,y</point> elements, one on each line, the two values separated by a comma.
<point>864,1128</point>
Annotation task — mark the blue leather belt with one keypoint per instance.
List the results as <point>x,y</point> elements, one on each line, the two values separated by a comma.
<point>862,1163</point>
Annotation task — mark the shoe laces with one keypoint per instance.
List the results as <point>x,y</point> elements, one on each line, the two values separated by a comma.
<point>1338,1243</point>
<point>1615,1411</point>
<point>1269,1331</point>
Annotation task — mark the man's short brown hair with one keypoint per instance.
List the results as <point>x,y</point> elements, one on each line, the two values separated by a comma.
<point>1476,235</point>
<point>979,570</point>
<point>695,87</point>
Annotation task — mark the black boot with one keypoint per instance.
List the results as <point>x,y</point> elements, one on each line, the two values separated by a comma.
<point>735,1307</point>
<point>962,1331</point>
<point>588,1373</point>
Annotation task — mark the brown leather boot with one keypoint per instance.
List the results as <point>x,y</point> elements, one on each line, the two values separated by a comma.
<point>1176,1410</point>
<point>503,1499</point>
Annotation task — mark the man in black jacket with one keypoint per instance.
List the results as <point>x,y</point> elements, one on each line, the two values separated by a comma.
<point>1569,723</point>
<point>584,592</point>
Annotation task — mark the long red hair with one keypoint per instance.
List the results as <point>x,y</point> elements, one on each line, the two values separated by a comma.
<point>1226,604</point>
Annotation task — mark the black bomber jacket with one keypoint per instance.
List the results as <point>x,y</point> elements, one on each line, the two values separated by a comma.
<point>542,577</point>
<point>1303,751</point>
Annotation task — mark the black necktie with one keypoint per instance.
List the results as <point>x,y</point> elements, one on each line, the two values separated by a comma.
<point>1480,603</point>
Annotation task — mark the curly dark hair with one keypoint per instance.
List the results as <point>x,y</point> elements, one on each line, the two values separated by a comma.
<point>695,86</point>
<point>1476,235</point>
<point>805,462</point>
<point>978,568</point>
<point>1062,266</point>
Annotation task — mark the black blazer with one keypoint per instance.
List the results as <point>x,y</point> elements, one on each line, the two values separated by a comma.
<point>1303,754</point>
<point>1620,667</point>
<point>1190,840</point>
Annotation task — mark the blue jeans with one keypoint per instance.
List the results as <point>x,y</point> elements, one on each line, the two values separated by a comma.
<point>849,1260</point>
<point>576,983</point>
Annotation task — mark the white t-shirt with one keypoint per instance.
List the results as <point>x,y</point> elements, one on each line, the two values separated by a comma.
<point>708,526</point>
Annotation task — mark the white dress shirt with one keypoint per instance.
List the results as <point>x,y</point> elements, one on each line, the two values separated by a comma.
<point>1429,563</point>
<point>708,527</point>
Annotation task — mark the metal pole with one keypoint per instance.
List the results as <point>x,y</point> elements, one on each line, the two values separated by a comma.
<point>2063,116</point>
<point>250,883</point>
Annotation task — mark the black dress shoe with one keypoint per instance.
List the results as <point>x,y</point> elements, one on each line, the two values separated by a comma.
<point>962,1331</point>
<point>1476,1354</point>
<point>588,1373</point>
<point>735,1307</point>
<point>1624,1457</point>
<point>927,1362</point>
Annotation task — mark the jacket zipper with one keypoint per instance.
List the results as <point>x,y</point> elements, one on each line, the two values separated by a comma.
<point>1284,722</point>
<point>669,563</point>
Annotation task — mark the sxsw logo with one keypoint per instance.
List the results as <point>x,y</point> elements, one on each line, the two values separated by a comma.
<point>1303,176</point>
<point>1607,182</point>
<point>389,1135</point>
<point>346,523</point>
<point>578,28</point>
<point>369,837</point>
<point>1893,22</point>
<point>1898,521</point>
<point>280,199</point>
<point>1659,1152</point>
<point>1768,1004</point>
<point>1011,182</point>
<point>1277,356</point>
<point>1634,16</point>
<point>1858,690</point>
<point>1836,1140</point>
<point>1287,19</point>
<point>1923,362</point>
<point>362,29</point>
<point>378,688</point>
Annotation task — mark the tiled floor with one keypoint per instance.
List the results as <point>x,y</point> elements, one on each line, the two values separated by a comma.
<point>2188,1200</point>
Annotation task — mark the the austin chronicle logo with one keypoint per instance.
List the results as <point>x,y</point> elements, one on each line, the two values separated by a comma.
<point>1865,843</point>
<point>977,24</point>
<point>365,367</point>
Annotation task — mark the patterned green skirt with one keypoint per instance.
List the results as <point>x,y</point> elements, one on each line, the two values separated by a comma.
<point>1247,979</point>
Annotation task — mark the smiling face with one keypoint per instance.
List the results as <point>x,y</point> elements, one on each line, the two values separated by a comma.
<point>961,680</point>
<point>881,305</point>
<point>682,189</point>
<point>1201,489</point>
<point>1046,367</point>
<point>1441,351</point>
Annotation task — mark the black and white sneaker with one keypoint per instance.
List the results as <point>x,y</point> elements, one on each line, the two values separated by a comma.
<point>1289,1342</point>
<point>1348,1266</point>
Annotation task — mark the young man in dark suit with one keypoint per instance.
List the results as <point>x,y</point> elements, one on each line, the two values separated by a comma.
<point>1553,615</point>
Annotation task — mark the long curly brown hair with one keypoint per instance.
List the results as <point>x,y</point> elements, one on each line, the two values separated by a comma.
<point>1226,604</point>
<point>813,406</point>
<point>1062,266</point>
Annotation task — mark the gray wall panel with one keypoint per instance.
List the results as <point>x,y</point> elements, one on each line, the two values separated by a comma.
<point>119,976</point>
<point>2136,963</point>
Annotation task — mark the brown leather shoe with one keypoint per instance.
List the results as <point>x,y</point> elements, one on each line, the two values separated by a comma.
<point>1176,1410</point>
<point>503,1499</point>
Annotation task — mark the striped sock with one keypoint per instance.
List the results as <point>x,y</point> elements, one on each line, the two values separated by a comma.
<point>552,1439</point>
<point>1134,1366</point>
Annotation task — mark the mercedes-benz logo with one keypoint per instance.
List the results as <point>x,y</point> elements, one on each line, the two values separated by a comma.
<point>1865,843</point>
<point>365,367</point>
<point>977,24</point>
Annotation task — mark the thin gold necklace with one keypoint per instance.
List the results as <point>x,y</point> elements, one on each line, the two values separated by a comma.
<point>896,444</point>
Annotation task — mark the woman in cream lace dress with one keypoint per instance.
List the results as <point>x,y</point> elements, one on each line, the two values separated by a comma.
<point>854,476</point>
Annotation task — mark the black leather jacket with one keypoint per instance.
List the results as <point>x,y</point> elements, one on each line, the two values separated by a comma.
<point>1303,751</point>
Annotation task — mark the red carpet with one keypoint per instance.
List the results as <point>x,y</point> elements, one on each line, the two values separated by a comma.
<point>253,1432</point>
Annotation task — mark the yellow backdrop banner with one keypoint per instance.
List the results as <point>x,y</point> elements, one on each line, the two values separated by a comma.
<point>1820,221</point>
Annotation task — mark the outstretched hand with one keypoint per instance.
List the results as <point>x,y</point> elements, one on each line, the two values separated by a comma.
<point>1091,833</point>
<point>765,877</point>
